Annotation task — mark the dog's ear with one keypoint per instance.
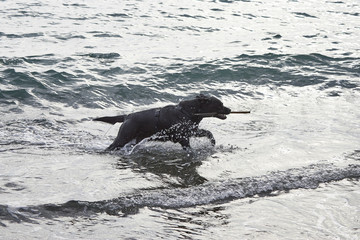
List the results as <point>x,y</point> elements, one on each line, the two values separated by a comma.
<point>203,99</point>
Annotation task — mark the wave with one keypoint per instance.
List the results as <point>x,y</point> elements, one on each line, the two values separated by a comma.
<point>10,97</point>
<point>303,15</point>
<point>119,15</point>
<point>103,55</point>
<point>264,70</point>
<point>69,36</point>
<point>24,35</point>
<point>105,83</point>
<point>107,35</point>
<point>309,177</point>
<point>47,134</point>
<point>42,60</point>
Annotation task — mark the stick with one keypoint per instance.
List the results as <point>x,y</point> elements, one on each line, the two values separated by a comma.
<point>211,114</point>
<point>240,112</point>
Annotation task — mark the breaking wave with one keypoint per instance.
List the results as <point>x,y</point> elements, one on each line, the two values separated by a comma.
<point>309,177</point>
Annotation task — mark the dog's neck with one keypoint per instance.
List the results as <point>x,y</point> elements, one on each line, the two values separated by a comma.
<point>189,108</point>
<point>185,111</point>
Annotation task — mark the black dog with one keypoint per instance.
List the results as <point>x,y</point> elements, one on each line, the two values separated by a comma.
<point>176,123</point>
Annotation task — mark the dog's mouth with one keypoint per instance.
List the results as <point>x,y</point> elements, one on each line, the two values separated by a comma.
<point>220,116</point>
<point>223,113</point>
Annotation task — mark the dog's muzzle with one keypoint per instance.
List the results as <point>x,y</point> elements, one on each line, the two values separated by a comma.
<point>222,114</point>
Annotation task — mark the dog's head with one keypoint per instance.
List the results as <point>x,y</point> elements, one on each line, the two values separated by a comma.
<point>206,106</point>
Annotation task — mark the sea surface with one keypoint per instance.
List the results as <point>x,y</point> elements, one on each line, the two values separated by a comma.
<point>288,170</point>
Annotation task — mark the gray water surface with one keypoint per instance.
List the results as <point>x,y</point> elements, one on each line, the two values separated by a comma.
<point>288,170</point>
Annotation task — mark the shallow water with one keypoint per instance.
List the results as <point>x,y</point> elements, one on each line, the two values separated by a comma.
<point>288,170</point>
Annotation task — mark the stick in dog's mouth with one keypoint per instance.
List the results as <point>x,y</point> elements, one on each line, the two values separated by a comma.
<point>219,115</point>
<point>240,112</point>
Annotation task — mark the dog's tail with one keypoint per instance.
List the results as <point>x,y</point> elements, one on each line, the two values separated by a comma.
<point>111,120</point>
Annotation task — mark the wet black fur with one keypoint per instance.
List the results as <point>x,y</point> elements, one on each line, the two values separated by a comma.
<point>176,123</point>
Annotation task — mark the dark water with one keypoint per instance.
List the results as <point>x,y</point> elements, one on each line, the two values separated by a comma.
<point>288,170</point>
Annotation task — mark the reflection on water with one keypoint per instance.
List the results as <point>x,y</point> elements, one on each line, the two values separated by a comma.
<point>175,167</point>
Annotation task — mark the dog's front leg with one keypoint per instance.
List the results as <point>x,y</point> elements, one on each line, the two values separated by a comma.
<point>185,143</point>
<point>205,133</point>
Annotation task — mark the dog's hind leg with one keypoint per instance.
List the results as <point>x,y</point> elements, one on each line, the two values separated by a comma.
<point>205,133</point>
<point>127,132</point>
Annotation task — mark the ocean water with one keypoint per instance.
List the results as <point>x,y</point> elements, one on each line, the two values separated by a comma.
<point>288,170</point>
